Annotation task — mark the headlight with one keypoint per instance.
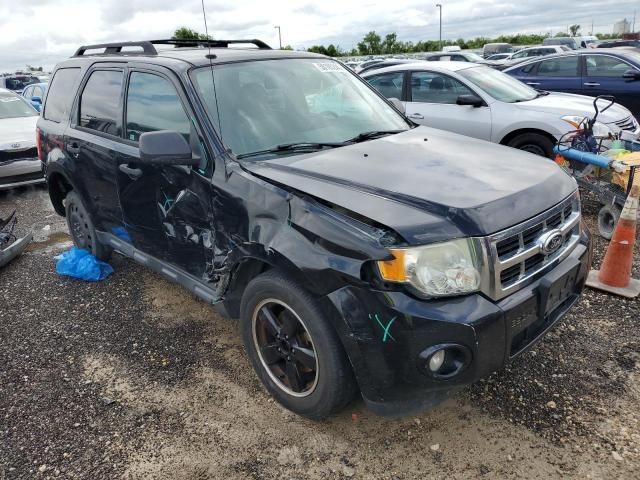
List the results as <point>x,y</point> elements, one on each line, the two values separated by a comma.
<point>599,129</point>
<point>437,270</point>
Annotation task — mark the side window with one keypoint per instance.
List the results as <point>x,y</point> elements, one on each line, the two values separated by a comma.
<point>62,91</point>
<point>153,104</point>
<point>431,87</point>
<point>99,104</point>
<point>520,55</point>
<point>27,92</point>
<point>37,92</point>
<point>388,84</point>
<point>459,58</point>
<point>559,67</point>
<point>605,66</point>
<point>528,68</point>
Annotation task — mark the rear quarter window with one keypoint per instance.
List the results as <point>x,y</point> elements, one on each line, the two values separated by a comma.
<point>62,91</point>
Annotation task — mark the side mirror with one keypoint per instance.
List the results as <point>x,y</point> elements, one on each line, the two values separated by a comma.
<point>165,147</point>
<point>472,100</point>
<point>37,100</point>
<point>631,75</point>
<point>398,104</point>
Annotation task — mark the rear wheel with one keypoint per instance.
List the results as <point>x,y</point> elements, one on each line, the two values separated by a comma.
<point>533,143</point>
<point>82,229</point>
<point>293,348</point>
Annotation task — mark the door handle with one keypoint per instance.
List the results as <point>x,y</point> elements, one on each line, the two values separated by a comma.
<point>132,173</point>
<point>73,148</point>
<point>533,83</point>
<point>417,116</point>
<point>591,84</point>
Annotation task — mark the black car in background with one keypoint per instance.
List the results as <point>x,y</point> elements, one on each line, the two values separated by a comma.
<point>361,253</point>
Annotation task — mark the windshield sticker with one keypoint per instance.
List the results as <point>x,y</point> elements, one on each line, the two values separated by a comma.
<point>327,67</point>
<point>9,99</point>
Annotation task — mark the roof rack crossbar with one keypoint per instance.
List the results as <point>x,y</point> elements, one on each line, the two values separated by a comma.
<point>210,43</point>
<point>115,48</point>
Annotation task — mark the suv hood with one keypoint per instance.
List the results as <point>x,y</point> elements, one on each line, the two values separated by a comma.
<point>563,104</point>
<point>19,131</point>
<point>426,184</point>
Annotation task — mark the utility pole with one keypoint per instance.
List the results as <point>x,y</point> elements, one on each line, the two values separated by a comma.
<point>279,35</point>
<point>440,7</point>
<point>633,29</point>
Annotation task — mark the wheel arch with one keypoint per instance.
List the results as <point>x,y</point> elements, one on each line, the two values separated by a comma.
<point>521,131</point>
<point>59,186</point>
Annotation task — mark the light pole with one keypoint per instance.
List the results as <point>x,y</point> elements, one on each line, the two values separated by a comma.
<point>440,7</point>
<point>279,35</point>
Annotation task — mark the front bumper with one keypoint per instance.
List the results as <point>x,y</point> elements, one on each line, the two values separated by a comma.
<point>16,173</point>
<point>384,333</point>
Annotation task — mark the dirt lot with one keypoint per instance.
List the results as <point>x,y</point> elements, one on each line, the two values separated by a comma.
<point>133,378</point>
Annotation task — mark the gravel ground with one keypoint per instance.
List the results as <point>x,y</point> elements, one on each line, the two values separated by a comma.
<point>134,378</point>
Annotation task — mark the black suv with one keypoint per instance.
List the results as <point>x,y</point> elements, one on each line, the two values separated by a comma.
<point>360,252</point>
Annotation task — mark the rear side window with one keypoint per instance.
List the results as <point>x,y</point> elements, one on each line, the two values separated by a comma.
<point>100,101</point>
<point>388,84</point>
<point>559,67</point>
<point>62,90</point>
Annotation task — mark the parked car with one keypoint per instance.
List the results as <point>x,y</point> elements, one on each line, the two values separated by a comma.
<point>590,72</point>
<point>34,93</point>
<point>17,83</point>
<point>619,43</point>
<point>480,102</point>
<point>360,252</point>
<point>368,63</point>
<point>461,56</point>
<point>588,41</point>
<point>498,56</point>
<point>385,63</point>
<point>539,51</point>
<point>19,164</point>
<point>572,42</point>
<point>492,48</point>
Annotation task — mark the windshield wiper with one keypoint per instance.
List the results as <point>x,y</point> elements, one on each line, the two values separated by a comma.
<point>293,147</point>
<point>364,136</point>
<point>541,93</point>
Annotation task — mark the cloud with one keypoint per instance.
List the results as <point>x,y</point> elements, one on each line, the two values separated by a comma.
<point>44,32</point>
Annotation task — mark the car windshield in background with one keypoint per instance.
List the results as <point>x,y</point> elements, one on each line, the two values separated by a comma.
<point>263,105</point>
<point>12,106</point>
<point>474,57</point>
<point>499,85</point>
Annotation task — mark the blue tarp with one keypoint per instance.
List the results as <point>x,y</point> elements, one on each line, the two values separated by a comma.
<point>81,264</point>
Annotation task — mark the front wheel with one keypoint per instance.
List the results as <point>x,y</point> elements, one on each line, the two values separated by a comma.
<point>533,143</point>
<point>293,348</point>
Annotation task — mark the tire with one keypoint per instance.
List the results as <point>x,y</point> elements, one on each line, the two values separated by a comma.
<point>533,143</point>
<point>314,394</point>
<point>82,228</point>
<point>607,220</point>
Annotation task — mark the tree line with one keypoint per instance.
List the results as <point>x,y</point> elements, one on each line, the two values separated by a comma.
<point>374,44</point>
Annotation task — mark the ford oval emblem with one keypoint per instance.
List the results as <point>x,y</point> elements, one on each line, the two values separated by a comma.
<point>551,241</point>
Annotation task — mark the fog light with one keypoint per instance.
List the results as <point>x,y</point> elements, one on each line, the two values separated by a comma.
<point>436,360</point>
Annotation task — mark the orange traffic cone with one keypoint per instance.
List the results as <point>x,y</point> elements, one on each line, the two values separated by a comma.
<point>614,275</point>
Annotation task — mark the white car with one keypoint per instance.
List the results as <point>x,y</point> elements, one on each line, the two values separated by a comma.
<point>481,102</point>
<point>19,163</point>
<point>538,51</point>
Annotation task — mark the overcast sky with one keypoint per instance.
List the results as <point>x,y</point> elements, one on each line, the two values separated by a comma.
<point>43,32</point>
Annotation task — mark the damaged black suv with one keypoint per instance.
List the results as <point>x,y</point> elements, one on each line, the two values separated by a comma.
<point>360,252</point>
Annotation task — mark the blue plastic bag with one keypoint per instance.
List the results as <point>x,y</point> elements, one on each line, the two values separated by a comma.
<point>81,264</point>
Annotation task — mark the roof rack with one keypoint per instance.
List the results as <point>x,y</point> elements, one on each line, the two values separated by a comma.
<point>149,49</point>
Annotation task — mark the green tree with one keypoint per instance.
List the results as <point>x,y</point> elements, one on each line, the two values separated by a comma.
<point>371,44</point>
<point>575,30</point>
<point>390,44</point>
<point>185,33</point>
<point>287,47</point>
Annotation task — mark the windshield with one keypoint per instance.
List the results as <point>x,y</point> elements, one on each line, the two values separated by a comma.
<point>474,57</point>
<point>263,104</point>
<point>12,106</point>
<point>499,85</point>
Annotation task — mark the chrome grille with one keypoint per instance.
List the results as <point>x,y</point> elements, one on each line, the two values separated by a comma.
<point>518,253</point>
<point>630,124</point>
